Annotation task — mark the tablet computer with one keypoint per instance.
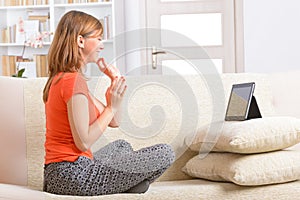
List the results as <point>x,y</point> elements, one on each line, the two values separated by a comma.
<point>239,101</point>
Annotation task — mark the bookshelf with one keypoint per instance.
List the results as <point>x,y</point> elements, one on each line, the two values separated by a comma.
<point>43,16</point>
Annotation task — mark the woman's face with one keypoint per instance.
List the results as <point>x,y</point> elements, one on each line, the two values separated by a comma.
<point>91,48</point>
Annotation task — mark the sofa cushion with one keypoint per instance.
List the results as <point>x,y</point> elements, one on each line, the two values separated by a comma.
<point>35,130</point>
<point>250,136</point>
<point>284,88</point>
<point>253,169</point>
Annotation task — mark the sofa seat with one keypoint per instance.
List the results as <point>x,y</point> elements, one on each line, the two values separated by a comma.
<point>174,190</point>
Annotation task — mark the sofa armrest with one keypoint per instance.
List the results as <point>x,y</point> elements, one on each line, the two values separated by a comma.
<point>13,165</point>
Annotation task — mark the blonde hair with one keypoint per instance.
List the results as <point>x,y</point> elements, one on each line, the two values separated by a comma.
<point>64,54</point>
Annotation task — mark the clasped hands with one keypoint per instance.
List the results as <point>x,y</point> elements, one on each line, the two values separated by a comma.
<point>115,92</point>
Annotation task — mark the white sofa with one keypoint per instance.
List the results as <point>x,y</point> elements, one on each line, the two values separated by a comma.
<point>157,109</point>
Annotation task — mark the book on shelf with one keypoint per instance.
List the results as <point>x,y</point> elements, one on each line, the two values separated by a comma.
<point>12,33</point>
<point>86,1</point>
<point>106,22</point>
<point>41,18</point>
<point>4,35</point>
<point>8,65</point>
<point>23,2</point>
<point>8,34</point>
<point>41,62</point>
<point>42,13</point>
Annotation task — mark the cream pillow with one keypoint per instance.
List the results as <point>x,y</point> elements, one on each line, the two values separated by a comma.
<point>250,136</point>
<point>255,169</point>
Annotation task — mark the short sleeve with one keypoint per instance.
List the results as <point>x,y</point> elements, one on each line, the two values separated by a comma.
<point>73,83</point>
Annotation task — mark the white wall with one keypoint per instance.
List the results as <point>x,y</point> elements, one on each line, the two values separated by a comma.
<point>272,35</point>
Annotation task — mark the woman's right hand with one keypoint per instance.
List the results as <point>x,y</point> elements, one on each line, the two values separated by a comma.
<point>110,70</point>
<point>114,94</point>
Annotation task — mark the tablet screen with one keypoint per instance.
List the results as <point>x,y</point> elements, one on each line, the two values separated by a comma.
<point>239,101</point>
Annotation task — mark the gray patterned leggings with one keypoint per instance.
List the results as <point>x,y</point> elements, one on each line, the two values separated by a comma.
<point>115,169</point>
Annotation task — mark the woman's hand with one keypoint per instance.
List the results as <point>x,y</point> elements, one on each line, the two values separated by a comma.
<point>114,94</point>
<point>110,70</point>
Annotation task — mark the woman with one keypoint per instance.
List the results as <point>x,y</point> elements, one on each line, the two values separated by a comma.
<point>75,120</point>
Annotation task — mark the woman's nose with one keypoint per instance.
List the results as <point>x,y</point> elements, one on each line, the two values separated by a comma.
<point>101,45</point>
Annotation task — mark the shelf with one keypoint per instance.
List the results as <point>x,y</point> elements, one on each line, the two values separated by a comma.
<point>64,5</point>
<point>35,7</point>
<point>45,44</point>
<point>76,5</point>
<point>18,44</point>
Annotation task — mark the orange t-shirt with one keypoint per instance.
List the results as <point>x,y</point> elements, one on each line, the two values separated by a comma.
<point>60,145</point>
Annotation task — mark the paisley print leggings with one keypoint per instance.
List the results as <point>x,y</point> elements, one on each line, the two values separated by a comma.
<point>115,169</point>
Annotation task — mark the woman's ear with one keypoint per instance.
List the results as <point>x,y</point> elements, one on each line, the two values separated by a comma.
<point>80,41</point>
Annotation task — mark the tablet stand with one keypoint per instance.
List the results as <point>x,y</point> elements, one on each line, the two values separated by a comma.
<point>253,109</point>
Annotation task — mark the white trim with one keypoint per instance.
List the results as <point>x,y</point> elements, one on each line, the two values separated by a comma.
<point>119,27</point>
<point>239,36</point>
<point>229,37</point>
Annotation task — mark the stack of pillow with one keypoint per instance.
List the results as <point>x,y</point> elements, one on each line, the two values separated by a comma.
<point>252,152</point>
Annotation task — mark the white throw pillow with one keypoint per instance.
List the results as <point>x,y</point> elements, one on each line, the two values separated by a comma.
<point>254,169</point>
<point>250,136</point>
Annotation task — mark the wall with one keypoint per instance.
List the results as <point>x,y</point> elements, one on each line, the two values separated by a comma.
<point>272,35</point>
